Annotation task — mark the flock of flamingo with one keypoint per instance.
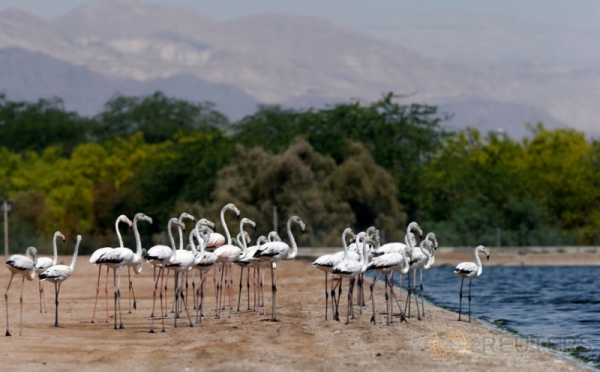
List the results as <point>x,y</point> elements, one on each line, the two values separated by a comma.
<point>207,248</point>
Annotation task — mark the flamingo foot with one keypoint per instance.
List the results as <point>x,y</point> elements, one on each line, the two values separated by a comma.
<point>373,319</point>
<point>94,321</point>
<point>8,333</point>
<point>152,331</point>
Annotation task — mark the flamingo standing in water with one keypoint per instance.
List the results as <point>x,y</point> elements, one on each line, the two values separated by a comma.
<point>58,274</point>
<point>274,252</point>
<point>161,255</point>
<point>120,257</point>
<point>43,263</point>
<point>25,266</point>
<point>93,260</point>
<point>470,270</point>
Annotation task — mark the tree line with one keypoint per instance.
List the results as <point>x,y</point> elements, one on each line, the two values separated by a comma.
<point>349,164</point>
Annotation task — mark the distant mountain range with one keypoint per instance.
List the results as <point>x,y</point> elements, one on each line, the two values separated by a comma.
<point>115,46</point>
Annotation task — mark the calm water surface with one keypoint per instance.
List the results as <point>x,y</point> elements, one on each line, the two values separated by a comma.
<point>555,306</point>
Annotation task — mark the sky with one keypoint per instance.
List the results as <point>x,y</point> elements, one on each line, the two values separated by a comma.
<point>572,13</point>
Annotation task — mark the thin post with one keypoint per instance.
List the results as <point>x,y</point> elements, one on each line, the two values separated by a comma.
<point>498,243</point>
<point>275,219</point>
<point>382,236</point>
<point>5,208</point>
<point>162,237</point>
<point>312,241</point>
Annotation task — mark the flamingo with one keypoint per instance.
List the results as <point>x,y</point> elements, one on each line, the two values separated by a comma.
<point>326,263</point>
<point>431,246</point>
<point>24,265</point>
<point>385,264</point>
<point>420,258</point>
<point>350,269</point>
<point>470,270</point>
<point>182,217</point>
<point>117,258</point>
<point>204,261</point>
<point>243,264</point>
<point>273,252</point>
<point>96,255</point>
<point>161,255</point>
<point>228,254</point>
<point>44,263</point>
<point>58,274</point>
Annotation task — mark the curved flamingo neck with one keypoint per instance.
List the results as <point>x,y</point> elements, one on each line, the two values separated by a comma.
<point>345,245</point>
<point>293,241</point>
<point>477,259</point>
<point>72,266</point>
<point>119,233</point>
<point>243,237</point>
<point>55,248</point>
<point>192,244</point>
<point>225,226</point>
<point>138,240</point>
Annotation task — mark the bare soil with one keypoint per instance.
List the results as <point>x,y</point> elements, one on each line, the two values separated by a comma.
<point>303,340</point>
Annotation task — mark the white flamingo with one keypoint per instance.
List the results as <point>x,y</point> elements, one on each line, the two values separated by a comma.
<point>470,270</point>
<point>25,266</point>
<point>44,263</point>
<point>273,252</point>
<point>227,255</point>
<point>160,255</point>
<point>326,263</point>
<point>243,264</point>
<point>385,264</point>
<point>182,217</point>
<point>58,274</point>
<point>204,261</point>
<point>420,258</point>
<point>431,246</point>
<point>351,269</point>
<point>118,258</point>
<point>94,258</point>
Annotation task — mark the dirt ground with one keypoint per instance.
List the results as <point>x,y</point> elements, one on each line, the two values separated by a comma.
<point>303,340</point>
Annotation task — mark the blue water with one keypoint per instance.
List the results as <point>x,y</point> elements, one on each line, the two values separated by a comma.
<point>555,306</point>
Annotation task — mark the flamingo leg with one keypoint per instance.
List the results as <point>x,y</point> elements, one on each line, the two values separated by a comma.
<point>154,298</point>
<point>326,296</point>
<point>402,318</point>
<point>115,294</point>
<point>57,290</point>
<point>373,320</point>
<point>166,292</point>
<point>219,289</point>
<point>176,290</point>
<point>470,282</point>
<point>240,293</point>
<point>416,295</point>
<point>184,301</point>
<point>274,289</point>
<point>409,289</point>
<point>162,277</point>
<point>21,302</point>
<point>422,300</point>
<point>40,290</point>
<point>202,288</point>
<point>154,294</point>
<point>6,298</point>
<point>194,288</point>
<point>230,288</point>
<point>461,296</point>
<point>248,287</point>
<point>262,290</point>
<point>350,301</point>
<point>130,289</point>
<point>387,301</point>
<point>97,292</point>
<point>106,293</point>
<point>186,289</point>
<point>119,300</point>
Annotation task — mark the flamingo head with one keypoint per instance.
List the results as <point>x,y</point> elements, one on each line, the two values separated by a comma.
<point>186,216</point>
<point>57,234</point>
<point>142,217</point>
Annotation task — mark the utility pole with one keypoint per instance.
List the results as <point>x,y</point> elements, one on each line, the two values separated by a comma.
<point>6,207</point>
<point>275,219</point>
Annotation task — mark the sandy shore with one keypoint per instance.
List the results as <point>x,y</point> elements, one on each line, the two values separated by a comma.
<point>302,341</point>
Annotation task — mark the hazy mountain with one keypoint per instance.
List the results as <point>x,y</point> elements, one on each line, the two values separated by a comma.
<point>299,61</point>
<point>481,38</point>
<point>30,76</point>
